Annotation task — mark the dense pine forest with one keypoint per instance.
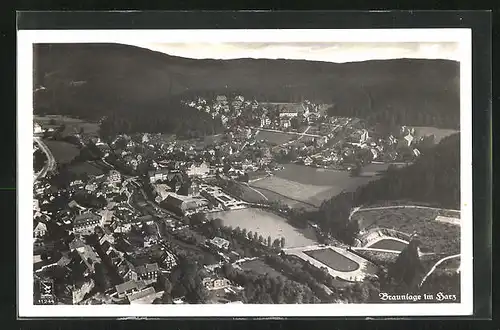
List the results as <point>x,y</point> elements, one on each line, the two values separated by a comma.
<point>135,89</point>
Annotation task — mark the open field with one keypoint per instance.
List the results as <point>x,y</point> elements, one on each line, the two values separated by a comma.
<point>274,137</point>
<point>266,224</point>
<point>260,267</point>
<point>389,244</point>
<point>73,125</point>
<point>438,237</point>
<point>333,260</point>
<point>63,152</point>
<point>439,133</point>
<point>309,185</point>
<point>86,167</point>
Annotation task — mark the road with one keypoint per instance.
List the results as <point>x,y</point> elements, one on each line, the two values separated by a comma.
<point>358,209</point>
<point>50,165</point>
<point>436,265</point>
<point>255,190</point>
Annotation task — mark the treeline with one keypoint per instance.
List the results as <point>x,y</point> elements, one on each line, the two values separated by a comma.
<point>263,289</point>
<point>433,178</point>
<point>173,117</point>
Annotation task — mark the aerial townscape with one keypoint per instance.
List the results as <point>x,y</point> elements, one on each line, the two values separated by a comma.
<point>165,180</point>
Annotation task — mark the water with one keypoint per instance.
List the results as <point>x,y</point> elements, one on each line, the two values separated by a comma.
<point>266,223</point>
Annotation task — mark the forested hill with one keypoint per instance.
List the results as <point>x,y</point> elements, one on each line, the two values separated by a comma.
<point>93,80</point>
<point>434,178</point>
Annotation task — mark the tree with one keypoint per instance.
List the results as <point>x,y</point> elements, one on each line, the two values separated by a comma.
<point>250,235</point>
<point>276,243</point>
<point>269,241</point>
<point>255,236</point>
<point>356,170</point>
<point>261,239</point>
<point>282,242</point>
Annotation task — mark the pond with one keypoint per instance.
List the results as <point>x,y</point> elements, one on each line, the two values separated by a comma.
<point>266,224</point>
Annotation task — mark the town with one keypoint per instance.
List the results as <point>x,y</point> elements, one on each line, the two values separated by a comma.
<point>151,219</point>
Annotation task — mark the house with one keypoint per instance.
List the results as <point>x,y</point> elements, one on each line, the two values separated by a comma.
<point>106,216</point>
<point>37,129</point>
<point>148,272</point>
<point>184,204</point>
<point>145,219</point>
<point>114,177</point>
<point>216,283</point>
<point>222,99</point>
<point>219,243</point>
<point>91,187</point>
<point>84,224</point>
<point>161,174</point>
<point>146,296</point>
<point>80,292</point>
<point>409,139</point>
<point>129,288</point>
<point>285,123</point>
<point>201,170</point>
<point>308,161</point>
<point>40,230</point>
<point>265,121</point>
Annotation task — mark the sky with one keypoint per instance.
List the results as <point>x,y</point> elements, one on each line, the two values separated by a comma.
<point>321,51</point>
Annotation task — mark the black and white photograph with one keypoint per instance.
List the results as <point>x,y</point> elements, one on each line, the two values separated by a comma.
<point>310,171</point>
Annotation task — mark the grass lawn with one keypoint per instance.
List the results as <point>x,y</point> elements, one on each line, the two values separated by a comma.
<point>63,152</point>
<point>333,260</point>
<point>389,244</point>
<point>437,236</point>
<point>260,267</point>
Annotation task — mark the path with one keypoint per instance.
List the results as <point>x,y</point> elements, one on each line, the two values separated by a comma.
<point>436,265</point>
<point>290,133</point>
<point>255,190</point>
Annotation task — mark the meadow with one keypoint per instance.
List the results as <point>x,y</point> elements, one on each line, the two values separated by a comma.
<point>72,125</point>
<point>309,185</point>
<point>435,236</point>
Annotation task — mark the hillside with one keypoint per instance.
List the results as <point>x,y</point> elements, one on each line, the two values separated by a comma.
<point>95,80</point>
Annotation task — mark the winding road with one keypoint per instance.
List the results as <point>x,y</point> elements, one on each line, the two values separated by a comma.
<point>436,265</point>
<point>50,165</point>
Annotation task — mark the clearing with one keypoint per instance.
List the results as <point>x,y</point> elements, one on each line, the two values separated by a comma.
<point>309,185</point>
<point>73,125</point>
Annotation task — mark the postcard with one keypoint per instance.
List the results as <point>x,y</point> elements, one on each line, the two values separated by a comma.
<point>245,173</point>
